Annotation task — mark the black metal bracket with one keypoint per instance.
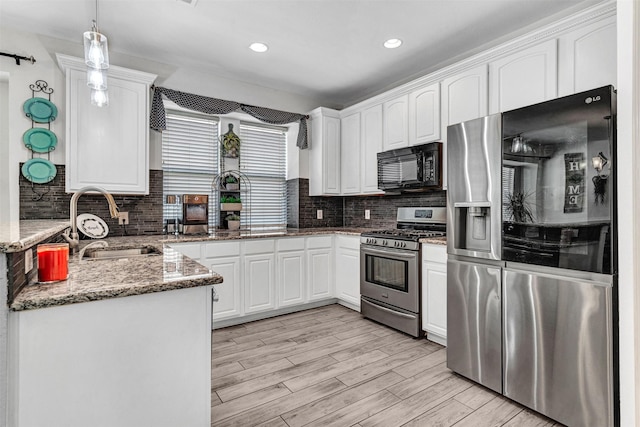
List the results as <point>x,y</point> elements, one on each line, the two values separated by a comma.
<point>19,57</point>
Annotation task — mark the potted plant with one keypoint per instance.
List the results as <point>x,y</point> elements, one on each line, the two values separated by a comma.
<point>233,222</point>
<point>230,203</point>
<point>231,183</point>
<point>518,207</point>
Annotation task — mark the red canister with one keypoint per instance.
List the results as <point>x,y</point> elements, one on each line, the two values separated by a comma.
<point>53,262</point>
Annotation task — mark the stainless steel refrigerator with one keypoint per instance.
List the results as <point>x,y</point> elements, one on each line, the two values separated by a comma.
<point>553,193</point>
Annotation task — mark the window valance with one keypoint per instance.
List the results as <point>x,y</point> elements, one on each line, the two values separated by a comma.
<point>205,104</point>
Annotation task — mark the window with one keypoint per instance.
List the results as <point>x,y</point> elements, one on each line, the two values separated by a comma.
<point>189,159</point>
<point>263,153</point>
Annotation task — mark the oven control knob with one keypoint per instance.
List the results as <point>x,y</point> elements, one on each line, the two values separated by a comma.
<point>385,243</point>
<point>404,244</point>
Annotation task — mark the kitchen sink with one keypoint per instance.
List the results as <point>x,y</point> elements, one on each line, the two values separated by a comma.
<point>120,253</point>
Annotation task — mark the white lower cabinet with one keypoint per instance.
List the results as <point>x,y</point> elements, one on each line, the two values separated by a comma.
<point>142,360</point>
<point>259,279</point>
<point>263,276</point>
<point>290,272</point>
<point>224,259</point>
<point>259,284</point>
<point>434,292</point>
<point>348,270</point>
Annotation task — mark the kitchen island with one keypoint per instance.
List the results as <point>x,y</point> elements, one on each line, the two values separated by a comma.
<point>123,342</point>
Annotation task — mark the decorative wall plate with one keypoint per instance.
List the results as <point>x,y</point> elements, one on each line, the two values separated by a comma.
<point>92,226</point>
<point>39,171</point>
<point>40,110</point>
<point>40,140</point>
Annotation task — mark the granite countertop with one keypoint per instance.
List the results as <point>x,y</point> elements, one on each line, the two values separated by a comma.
<point>20,235</point>
<point>261,234</point>
<point>434,240</point>
<point>104,279</point>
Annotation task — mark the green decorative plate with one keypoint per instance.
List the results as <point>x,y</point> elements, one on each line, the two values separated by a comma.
<point>39,171</point>
<point>40,140</point>
<point>40,110</point>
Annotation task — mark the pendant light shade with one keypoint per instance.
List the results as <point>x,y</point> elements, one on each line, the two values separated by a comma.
<point>96,53</point>
<point>99,98</point>
<point>97,78</point>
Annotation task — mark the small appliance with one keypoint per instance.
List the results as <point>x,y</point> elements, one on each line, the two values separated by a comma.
<point>195,214</point>
<point>417,168</point>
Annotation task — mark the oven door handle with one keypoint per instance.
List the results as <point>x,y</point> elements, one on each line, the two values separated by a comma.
<point>395,313</point>
<point>386,252</point>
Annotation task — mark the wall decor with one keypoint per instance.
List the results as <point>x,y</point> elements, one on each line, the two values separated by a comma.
<point>574,182</point>
<point>41,140</point>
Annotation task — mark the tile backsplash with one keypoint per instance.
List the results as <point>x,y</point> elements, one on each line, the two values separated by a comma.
<point>145,212</point>
<point>349,211</point>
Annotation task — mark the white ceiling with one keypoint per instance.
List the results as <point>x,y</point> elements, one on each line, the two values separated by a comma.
<point>324,49</point>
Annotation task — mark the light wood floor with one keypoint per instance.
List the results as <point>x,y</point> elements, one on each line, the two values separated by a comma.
<point>330,367</point>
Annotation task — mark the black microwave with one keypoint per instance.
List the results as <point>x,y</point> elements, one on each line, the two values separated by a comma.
<point>416,168</point>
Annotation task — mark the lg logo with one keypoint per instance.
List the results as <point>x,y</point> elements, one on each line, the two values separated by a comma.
<point>590,99</point>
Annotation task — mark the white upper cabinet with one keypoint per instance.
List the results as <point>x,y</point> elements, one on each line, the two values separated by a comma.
<point>464,97</point>
<point>424,115</point>
<point>107,146</point>
<point>526,77</point>
<point>396,127</point>
<point>587,58</point>
<point>324,153</point>
<point>350,154</point>
<point>371,145</point>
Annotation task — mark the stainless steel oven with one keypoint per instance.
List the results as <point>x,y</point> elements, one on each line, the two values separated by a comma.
<point>390,274</point>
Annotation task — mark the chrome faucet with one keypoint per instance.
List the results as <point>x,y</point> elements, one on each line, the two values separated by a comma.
<point>73,238</point>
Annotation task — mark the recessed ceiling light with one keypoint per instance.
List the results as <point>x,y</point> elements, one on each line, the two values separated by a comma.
<point>392,43</point>
<point>259,47</point>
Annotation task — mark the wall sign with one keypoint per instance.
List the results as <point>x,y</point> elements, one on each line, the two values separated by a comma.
<point>574,182</point>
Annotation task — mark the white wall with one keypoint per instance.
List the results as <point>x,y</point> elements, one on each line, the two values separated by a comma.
<point>628,24</point>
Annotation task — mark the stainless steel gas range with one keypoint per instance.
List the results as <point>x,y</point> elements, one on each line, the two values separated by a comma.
<point>390,268</point>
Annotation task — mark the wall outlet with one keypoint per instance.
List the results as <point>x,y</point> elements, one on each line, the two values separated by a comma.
<point>123,218</point>
<point>319,214</point>
<point>28,261</point>
<point>367,214</point>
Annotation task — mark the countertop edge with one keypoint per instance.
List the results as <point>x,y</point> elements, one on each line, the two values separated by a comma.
<point>44,230</point>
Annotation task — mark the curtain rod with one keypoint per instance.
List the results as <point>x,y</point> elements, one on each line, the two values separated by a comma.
<point>19,57</point>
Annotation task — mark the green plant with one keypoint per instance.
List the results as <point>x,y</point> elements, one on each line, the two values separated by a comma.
<point>230,199</point>
<point>230,179</point>
<point>232,217</point>
<point>518,207</point>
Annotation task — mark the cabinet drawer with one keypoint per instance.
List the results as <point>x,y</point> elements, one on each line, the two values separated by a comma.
<point>290,244</point>
<point>262,246</point>
<point>434,253</point>
<point>220,249</point>
<point>192,250</point>
<point>319,242</point>
<point>348,242</point>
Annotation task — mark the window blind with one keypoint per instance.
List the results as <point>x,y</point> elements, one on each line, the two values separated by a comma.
<point>189,159</point>
<point>263,160</point>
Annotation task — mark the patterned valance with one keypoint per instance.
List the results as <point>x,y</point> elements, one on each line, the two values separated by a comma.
<point>207,105</point>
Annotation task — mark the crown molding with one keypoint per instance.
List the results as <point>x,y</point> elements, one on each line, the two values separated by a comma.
<point>67,62</point>
<point>534,37</point>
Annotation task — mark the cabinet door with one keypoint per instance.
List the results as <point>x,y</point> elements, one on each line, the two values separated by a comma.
<point>523,78</point>
<point>291,278</point>
<point>107,146</point>
<point>464,97</point>
<point>434,298</point>
<point>348,275</point>
<point>424,115</point>
<point>396,127</point>
<point>587,58</point>
<point>371,145</point>
<point>350,154</point>
<point>259,285</point>
<point>319,274</point>
<point>229,302</point>
<point>324,153</point>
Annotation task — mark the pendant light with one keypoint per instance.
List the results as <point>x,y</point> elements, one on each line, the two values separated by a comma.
<point>96,56</point>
